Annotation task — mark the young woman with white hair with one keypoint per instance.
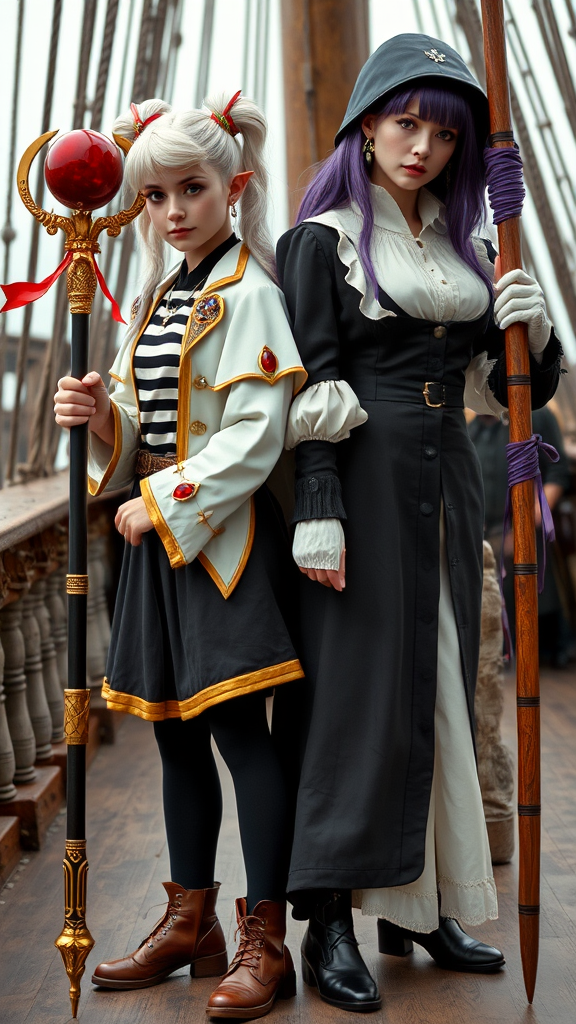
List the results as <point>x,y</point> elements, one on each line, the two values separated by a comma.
<point>194,421</point>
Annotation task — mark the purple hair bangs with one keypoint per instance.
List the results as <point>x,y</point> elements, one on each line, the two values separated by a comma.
<point>343,177</point>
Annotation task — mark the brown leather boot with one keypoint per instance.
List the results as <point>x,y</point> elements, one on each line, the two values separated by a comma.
<point>262,969</point>
<point>188,933</point>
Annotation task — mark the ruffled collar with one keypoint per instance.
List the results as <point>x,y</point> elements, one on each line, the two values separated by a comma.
<point>387,213</point>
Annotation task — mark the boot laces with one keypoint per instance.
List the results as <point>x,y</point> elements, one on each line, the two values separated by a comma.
<point>162,926</point>
<point>249,952</point>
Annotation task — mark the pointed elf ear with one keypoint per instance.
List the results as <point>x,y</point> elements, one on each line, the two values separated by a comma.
<point>238,184</point>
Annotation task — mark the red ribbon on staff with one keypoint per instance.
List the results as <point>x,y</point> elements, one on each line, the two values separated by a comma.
<point>22,292</point>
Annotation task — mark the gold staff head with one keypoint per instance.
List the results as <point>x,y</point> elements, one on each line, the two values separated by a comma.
<point>80,230</point>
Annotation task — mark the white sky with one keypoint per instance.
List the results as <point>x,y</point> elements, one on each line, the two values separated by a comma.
<point>387,17</point>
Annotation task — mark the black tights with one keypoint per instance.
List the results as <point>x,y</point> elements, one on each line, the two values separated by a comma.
<point>193,798</point>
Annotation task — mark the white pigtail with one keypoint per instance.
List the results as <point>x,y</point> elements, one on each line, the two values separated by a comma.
<point>179,139</point>
<point>253,204</point>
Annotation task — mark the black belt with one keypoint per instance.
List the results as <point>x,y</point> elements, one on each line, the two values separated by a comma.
<point>431,393</point>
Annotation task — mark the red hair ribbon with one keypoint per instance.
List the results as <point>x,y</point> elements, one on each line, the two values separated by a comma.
<point>22,292</point>
<point>224,119</point>
<point>140,125</point>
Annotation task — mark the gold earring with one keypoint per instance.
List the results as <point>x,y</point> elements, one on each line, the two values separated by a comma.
<point>233,209</point>
<point>367,151</point>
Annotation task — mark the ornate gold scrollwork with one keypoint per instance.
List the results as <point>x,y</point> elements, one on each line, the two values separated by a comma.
<point>81,232</point>
<point>75,941</point>
<point>76,714</point>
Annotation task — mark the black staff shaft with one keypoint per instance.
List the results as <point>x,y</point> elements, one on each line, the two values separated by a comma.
<point>77,566</point>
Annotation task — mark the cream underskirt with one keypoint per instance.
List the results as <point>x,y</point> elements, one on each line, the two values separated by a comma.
<point>457,861</point>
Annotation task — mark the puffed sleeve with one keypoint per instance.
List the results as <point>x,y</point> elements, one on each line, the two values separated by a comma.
<point>328,409</point>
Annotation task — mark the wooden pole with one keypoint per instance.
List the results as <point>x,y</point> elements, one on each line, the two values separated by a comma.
<point>325,43</point>
<point>525,567</point>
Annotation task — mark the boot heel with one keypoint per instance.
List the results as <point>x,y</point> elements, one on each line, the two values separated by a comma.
<point>287,987</point>
<point>210,966</point>
<point>308,974</point>
<point>392,941</point>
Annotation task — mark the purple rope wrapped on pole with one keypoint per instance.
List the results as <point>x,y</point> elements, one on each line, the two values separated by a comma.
<point>523,465</point>
<point>504,181</point>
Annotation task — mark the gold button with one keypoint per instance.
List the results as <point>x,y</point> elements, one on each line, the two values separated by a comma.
<point>197,427</point>
<point>418,242</point>
<point>200,382</point>
<point>439,332</point>
<point>444,282</point>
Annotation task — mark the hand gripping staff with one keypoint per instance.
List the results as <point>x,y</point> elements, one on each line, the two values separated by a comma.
<point>505,177</point>
<point>84,171</point>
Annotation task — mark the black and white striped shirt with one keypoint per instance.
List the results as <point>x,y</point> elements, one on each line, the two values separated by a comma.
<point>157,356</point>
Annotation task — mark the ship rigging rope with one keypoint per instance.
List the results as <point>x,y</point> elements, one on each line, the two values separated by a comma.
<point>22,359</point>
<point>205,53</point>
<point>104,64</point>
<point>43,426</point>
<point>8,233</point>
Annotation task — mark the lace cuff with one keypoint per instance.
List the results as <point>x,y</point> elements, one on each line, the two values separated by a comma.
<point>477,393</point>
<point>327,411</point>
<point>318,544</point>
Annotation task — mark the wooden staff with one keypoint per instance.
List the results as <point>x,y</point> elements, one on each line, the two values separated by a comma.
<point>525,567</point>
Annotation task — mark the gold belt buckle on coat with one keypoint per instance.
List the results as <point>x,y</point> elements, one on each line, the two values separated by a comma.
<point>426,393</point>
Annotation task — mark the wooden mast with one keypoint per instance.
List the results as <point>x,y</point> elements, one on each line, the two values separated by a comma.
<point>325,43</point>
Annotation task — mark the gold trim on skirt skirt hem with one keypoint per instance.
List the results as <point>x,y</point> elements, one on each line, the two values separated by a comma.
<point>193,706</point>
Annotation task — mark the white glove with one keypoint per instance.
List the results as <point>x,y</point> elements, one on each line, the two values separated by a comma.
<point>520,298</point>
<point>318,544</point>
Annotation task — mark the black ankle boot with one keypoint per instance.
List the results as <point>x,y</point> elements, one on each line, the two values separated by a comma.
<point>331,961</point>
<point>448,945</point>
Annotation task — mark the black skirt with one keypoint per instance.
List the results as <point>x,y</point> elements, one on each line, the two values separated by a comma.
<point>178,646</point>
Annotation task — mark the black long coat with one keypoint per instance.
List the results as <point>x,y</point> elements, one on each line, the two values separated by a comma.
<point>370,653</point>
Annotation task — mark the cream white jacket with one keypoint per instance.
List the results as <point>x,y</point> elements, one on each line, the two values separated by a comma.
<point>239,370</point>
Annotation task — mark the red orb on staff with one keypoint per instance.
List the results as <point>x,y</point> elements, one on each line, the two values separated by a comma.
<point>83,169</point>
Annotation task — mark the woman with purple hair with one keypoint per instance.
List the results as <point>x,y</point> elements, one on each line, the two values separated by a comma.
<point>398,323</point>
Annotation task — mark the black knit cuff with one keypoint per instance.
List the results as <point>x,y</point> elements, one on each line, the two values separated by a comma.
<point>318,497</point>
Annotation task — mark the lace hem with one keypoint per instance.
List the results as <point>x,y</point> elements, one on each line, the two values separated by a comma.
<point>469,903</point>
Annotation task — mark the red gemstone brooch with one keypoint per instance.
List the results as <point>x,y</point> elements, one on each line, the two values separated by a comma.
<point>268,362</point>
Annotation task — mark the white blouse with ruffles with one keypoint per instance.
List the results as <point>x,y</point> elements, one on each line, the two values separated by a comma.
<point>424,276</point>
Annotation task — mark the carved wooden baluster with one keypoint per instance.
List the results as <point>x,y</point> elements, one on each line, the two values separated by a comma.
<point>57,612</point>
<point>35,692</point>
<point>495,764</point>
<point>7,759</point>
<point>99,558</point>
<point>95,654</point>
<point>17,714</point>
<point>52,687</point>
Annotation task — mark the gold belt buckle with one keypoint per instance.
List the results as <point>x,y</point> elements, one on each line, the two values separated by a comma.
<point>426,393</point>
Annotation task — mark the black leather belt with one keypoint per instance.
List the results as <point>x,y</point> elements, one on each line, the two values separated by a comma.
<point>431,393</point>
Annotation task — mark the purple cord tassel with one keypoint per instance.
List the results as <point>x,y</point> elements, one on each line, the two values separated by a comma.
<point>523,465</point>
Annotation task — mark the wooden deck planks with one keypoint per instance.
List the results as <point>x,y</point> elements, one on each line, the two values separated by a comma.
<point>128,862</point>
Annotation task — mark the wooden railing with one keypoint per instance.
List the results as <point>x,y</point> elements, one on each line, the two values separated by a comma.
<point>33,632</point>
